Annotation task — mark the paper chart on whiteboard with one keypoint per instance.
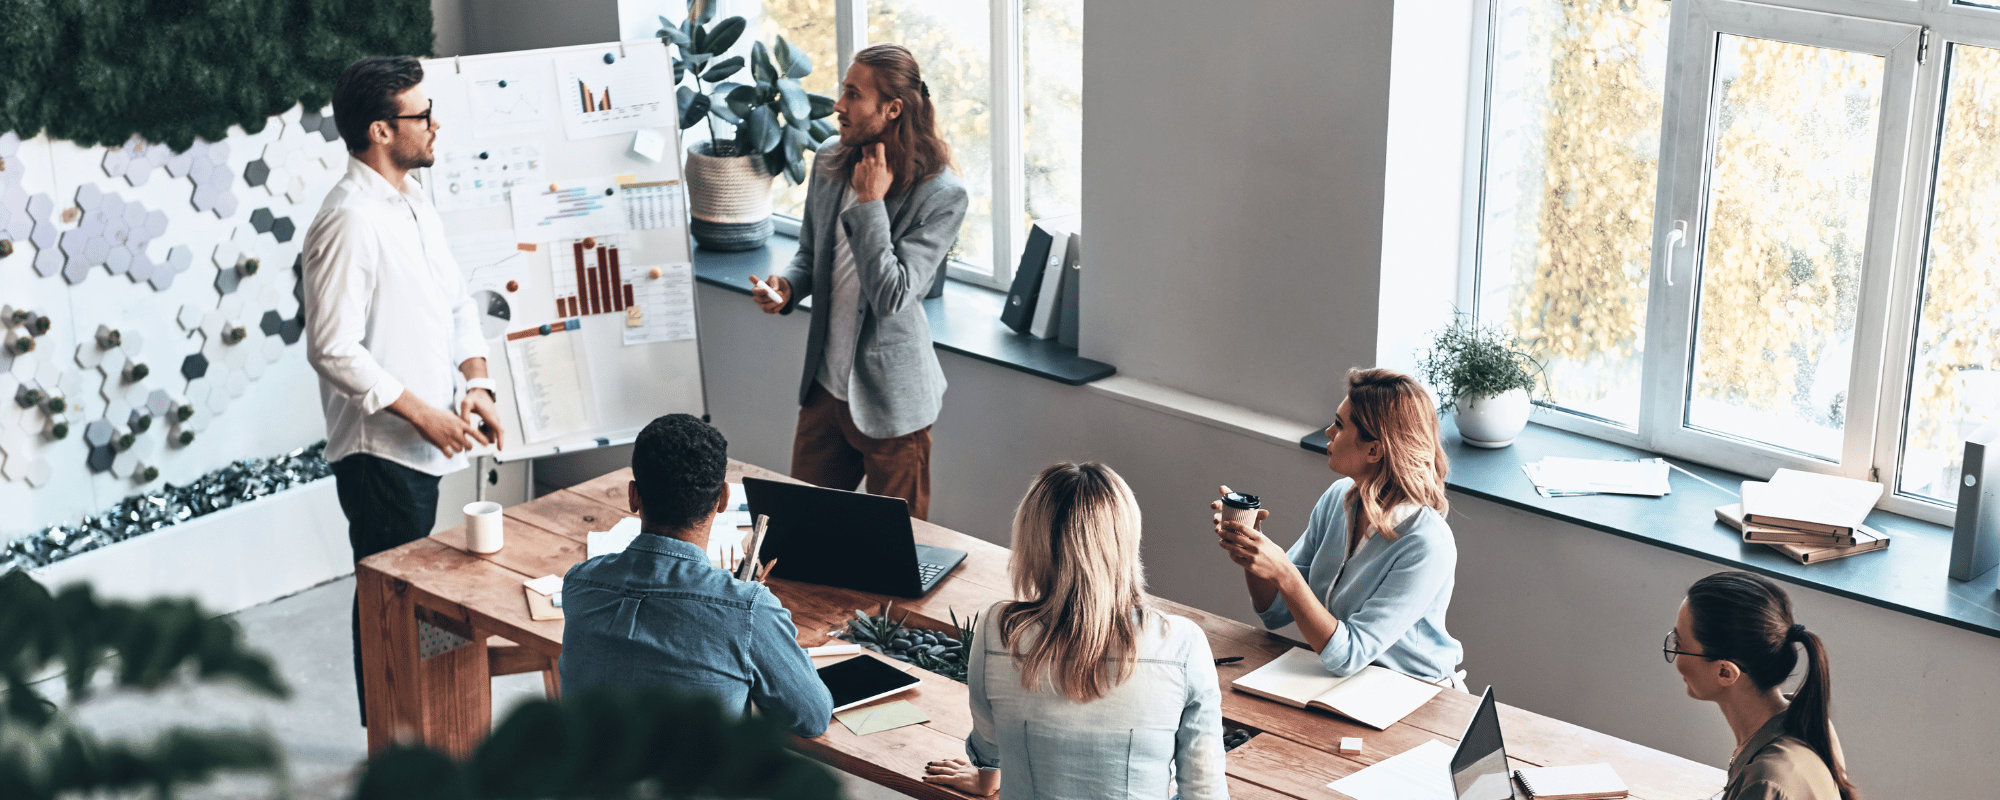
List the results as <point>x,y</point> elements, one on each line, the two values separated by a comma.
<point>662,308</point>
<point>573,209</point>
<point>653,205</point>
<point>550,373</point>
<point>477,177</point>
<point>508,100</point>
<point>621,96</point>
<point>488,260</point>
<point>588,279</point>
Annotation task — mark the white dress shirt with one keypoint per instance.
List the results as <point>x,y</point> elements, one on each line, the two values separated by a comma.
<point>843,329</point>
<point>386,312</point>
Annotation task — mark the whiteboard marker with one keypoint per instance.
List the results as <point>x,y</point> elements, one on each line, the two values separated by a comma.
<point>761,286</point>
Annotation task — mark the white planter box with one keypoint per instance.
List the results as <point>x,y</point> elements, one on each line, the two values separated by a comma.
<point>227,561</point>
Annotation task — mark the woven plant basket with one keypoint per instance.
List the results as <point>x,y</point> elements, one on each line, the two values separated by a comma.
<point>729,199</point>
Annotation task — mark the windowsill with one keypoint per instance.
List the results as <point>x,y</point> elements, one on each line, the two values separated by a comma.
<point>966,320</point>
<point>1910,576</point>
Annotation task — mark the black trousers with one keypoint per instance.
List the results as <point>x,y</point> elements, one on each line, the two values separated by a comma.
<point>387,505</point>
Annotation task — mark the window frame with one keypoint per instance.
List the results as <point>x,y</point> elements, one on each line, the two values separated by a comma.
<point>1892,279</point>
<point>1008,188</point>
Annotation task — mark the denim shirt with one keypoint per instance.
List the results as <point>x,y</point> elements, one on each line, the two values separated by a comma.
<point>658,615</point>
<point>1390,598</point>
<point>1158,730</point>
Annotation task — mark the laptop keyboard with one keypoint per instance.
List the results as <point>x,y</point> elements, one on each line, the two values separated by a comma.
<point>927,572</point>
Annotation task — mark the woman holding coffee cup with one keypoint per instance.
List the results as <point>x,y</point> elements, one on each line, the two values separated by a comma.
<point>1370,580</point>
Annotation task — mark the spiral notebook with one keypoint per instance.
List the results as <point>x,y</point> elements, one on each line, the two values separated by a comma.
<point>1584,782</point>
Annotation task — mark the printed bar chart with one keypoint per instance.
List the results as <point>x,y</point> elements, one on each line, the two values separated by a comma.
<point>590,104</point>
<point>592,283</point>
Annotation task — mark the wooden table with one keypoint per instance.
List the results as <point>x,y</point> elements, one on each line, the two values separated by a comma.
<point>446,700</point>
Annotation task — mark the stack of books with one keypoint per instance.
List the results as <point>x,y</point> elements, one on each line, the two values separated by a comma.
<point>1807,516</point>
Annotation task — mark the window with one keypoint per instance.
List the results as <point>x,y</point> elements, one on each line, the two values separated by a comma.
<point>1753,235</point>
<point>1007,76</point>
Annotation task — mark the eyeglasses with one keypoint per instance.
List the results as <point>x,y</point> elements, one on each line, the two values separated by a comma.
<point>426,116</point>
<point>1671,647</point>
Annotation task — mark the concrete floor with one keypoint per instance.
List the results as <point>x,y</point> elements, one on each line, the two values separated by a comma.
<point>319,728</point>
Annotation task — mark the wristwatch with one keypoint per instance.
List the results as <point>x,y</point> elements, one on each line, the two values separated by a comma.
<point>483,383</point>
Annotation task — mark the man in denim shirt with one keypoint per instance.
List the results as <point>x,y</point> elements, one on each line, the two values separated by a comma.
<point>658,615</point>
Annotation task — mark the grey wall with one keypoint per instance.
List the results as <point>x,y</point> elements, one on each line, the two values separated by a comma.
<point>448,27</point>
<point>500,26</point>
<point>1232,193</point>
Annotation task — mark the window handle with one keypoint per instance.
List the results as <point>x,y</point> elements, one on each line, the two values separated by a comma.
<point>1675,238</point>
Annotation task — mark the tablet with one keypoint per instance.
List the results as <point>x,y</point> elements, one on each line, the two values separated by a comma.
<point>861,679</point>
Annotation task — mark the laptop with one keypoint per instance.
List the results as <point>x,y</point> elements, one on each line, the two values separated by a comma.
<point>1479,768</point>
<point>846,539</point>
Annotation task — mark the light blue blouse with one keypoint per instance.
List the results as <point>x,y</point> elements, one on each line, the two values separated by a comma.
<point>1158,731</point>
<point>1390,600</point>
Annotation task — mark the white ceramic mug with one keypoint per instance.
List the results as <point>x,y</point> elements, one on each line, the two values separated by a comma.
<point>482,527</point>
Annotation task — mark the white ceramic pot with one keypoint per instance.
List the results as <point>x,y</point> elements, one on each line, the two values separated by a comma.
<point>1493,420</point>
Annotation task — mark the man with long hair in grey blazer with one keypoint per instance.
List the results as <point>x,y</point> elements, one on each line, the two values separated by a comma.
<point>882,209</point>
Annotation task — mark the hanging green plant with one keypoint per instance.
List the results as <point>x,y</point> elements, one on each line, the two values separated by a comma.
<point>97,73</point>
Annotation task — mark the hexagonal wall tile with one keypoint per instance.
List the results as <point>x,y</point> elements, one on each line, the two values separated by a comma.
<point>179,258</point>
<point>194,366</point>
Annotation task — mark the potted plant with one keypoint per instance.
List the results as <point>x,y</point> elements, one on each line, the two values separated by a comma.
<point>773,118</point>
<point>1484,377</point>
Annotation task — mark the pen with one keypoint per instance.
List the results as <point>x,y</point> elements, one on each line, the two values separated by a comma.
<point>1229,660</point>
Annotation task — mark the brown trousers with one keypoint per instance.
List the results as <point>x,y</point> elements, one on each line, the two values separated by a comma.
<point>829,451</point>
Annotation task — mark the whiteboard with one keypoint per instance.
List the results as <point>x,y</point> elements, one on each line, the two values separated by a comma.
<point>503,111</point>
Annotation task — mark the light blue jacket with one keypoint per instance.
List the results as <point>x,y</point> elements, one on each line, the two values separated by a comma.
<point>1158,730</point>
<point>1390,600</point>
<point>659,616</point>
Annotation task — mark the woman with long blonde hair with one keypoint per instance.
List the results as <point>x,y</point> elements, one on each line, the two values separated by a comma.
<point>1081,687</point>
<point>1370,580</point>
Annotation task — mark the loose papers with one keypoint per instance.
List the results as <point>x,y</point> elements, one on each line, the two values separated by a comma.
<point>1419,773</point>
<point>1568,477</point>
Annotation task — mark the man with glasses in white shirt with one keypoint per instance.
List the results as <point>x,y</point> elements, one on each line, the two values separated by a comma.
<point>390,327</point>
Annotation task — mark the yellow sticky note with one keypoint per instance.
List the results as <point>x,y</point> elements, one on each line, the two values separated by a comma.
<point>879,718</point>
<point>627,180</point>
<point>634,316</point>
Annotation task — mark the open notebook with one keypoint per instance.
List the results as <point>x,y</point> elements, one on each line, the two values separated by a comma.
<point>1375,697</point>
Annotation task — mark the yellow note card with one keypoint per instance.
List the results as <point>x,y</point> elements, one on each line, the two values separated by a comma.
<point>883,717</point>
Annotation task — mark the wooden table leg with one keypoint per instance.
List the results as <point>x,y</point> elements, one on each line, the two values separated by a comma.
<point>388,656</point>
<point>456,698</point>
<point>445,701</point>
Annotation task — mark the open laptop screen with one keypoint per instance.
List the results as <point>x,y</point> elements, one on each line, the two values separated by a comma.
<point>1479,768</point>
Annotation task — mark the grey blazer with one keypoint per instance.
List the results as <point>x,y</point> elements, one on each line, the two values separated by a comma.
<point>899,245</point>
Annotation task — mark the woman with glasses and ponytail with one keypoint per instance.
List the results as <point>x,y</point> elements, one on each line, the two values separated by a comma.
<point>1370,580</point>
<point>1734,644</point>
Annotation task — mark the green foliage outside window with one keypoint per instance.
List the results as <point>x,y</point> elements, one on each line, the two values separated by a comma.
<point>96,73</point>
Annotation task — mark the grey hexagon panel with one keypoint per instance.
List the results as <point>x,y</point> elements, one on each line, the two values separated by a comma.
<point>112,232</point>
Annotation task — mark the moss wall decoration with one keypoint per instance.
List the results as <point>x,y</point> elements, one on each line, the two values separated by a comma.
<point>96,72</point>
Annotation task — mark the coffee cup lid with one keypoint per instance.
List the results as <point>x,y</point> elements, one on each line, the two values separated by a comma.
<point>1240,500</point>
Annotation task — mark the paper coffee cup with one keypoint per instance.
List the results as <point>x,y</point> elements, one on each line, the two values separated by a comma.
<point>1240,507</point>
<point>482,527</point>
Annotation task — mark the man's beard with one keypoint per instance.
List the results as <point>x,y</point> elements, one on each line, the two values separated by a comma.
<point>415,160</point>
